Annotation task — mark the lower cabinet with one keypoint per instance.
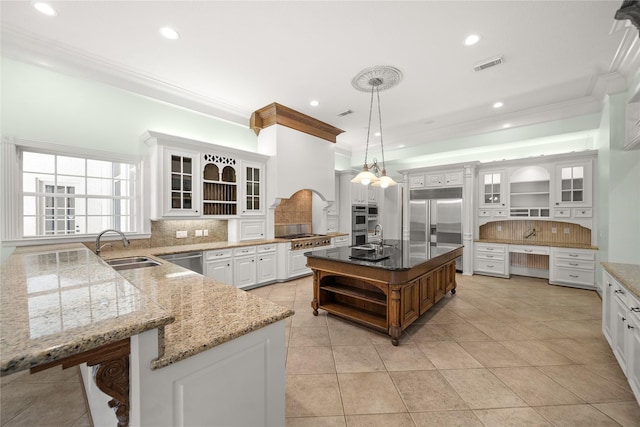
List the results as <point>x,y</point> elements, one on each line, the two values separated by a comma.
<point>572,267</point>
<point>491,259</point>
<point>244,267</point>
<point>217,265</point>
<point>621,327</point>
<point>267,264</point>
<point>297,265</point>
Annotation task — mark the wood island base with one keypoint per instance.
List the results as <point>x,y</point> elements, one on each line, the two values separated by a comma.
<point>382,299</point>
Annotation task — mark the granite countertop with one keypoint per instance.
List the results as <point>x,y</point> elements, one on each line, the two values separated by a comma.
<point>396,255</point>
<point>538,243</point>
<point>204,312</point>
<point>61,300</point>
<point>627,274</point>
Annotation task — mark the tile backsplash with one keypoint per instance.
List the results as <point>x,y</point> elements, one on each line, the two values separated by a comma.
<point>297,209</point>
<point>163,233</point>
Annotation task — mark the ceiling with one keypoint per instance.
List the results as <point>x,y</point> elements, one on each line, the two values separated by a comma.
<point>235,57</point>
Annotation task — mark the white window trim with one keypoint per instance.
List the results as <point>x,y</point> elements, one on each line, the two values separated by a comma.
<point>12,208</point>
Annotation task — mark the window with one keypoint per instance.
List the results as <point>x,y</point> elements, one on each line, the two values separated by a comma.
<point>61,195</point>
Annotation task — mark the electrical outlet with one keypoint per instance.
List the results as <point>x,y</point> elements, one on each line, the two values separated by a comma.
<point>198,233</point>
<point>554,230</point>
<point>205,232</point>
<point>566,230</point>
<point>181,234</point>
<point>499,228</point>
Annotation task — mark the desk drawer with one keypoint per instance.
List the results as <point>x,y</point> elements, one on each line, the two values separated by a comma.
<point>490,256</point>
<point>575,254</point>
<point>531,250</point>
<point>578,277</point>
<point>569,263</point>
<point>495,267</point>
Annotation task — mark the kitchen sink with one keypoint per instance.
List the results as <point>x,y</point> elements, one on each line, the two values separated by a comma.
<point>132,262</point>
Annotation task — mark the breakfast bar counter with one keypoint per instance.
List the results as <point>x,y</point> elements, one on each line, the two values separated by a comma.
<point>385,287</point>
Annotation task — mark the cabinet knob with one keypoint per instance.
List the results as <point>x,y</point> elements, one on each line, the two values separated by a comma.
<point>618,291</point>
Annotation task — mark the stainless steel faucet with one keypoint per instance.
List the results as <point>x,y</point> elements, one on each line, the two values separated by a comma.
<point>375,233</point>
<point>125,241</point>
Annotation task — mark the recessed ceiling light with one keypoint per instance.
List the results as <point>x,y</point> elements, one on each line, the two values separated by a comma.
<point>314,103</point>
<point>45,8</point>
<point>506,125</point>
<point>169,33</point>
<point>471,39</point>
<point>377,134</point>
<point>498,104</point>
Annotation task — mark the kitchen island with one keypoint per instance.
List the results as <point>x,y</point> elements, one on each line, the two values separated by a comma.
<point>383,287</point>
<point>179,348</point>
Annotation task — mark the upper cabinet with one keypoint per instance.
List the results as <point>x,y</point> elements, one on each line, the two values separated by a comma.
<point>573,184</point>
<point>493,189</point>
<point>253,199</point>
<point>529,192</point>
<point>436,179</point>
<point>180,177</point>
<point>219,185</point>
<point>196,179</point>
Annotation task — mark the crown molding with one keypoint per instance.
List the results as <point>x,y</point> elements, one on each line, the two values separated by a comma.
<point>29,48</point>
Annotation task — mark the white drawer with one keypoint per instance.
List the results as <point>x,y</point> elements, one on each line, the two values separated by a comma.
<point>578,277</point>
<point>575,254</point>
<point>562,213</point>
<point>490,256</point>
<point>491,247</point>
<point>267,248</point>
<point>569,263</point>
<point>484,212</point>
<point>582,212</point>
<point>217,254</point>
<point>488,266</point>
<point>500,213</point>
<point>526,249</point>
<point>247,250</point>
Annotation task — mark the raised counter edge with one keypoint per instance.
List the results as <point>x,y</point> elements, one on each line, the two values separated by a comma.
<point>627,274</point>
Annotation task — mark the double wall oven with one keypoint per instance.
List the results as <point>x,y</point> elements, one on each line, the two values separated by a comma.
<point>359,224</point>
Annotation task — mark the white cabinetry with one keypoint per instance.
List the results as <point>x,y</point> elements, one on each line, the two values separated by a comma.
<point>436,179</point>
<point>244,267</point>
<point>297,264</point>
<point>217,265</point>
<point>267,263</point>
<point>493,189</point>
<point>621,327</point>
<point>340,241</point>
<point>491,259</point>
<point>573,184</point>
<point>572,267</point>
<point>359,194</point>
<point>241,230</point>
<point>529,192</point>
<point>179,187</point>
<point>253,189</point>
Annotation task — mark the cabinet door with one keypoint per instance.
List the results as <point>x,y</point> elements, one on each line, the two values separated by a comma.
<point>182,187</point>
<point>266,267</point>
<point>492,189</point>
<point>252,230</point>
<point>607,307</point>
<point>573,184</point>
<point>633,356</point>
<point>220,270</point>
<point>244,271</point>
<point>427,290</point>
<point>253,200</point>
<point>453,179</point>
<point>358,194</point>
<point>297,263</point>
<point>435,180</point>
<point>619,330</point>
<point>409,303</point>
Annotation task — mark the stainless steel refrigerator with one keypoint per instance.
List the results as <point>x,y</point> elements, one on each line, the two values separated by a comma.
<point>435,218</point>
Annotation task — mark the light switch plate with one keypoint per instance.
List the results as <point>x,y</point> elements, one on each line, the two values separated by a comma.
<point>566,230</point>
<point>499,228</point>
<point>554,230</point>
<point>181,234</point>
<point>198,233</point>
<point>205,232</point>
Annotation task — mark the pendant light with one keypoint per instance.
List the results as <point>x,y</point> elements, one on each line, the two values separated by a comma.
<point>375,79</point>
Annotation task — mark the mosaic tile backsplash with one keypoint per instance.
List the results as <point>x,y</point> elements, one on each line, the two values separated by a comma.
<point>163,233</point>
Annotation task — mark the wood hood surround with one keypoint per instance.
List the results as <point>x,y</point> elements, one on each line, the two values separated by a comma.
<point>301,154</point>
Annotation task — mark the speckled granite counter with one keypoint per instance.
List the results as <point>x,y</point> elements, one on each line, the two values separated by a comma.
<point>534,243</point>
<point>62,300</point>
<point>627,274</point>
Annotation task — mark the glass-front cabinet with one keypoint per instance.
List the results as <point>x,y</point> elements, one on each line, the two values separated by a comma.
<point>253,188</point>
<point>492,189</point>
<point>573,185</point>
<point>182,199</point>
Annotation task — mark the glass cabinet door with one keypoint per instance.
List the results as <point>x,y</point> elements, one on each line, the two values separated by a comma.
<point>572,185</point>
<point>492,189</point>
<point>253,189</point>
<point>181,182</point>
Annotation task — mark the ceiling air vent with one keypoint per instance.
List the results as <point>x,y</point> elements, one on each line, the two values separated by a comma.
<point>345,113</point>
<point>489,63</point>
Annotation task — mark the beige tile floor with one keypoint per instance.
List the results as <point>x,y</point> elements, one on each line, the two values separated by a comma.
<point>515,352</point>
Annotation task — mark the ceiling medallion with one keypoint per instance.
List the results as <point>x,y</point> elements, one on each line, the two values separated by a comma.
<point>381,77</point>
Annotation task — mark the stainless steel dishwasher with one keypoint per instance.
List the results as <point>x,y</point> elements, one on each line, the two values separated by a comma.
<point>189,260</point>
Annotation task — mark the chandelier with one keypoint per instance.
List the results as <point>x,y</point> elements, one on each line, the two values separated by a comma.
<point>375,79</point>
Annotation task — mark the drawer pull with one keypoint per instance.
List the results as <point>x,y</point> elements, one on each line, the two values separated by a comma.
<point>489,249</point>
<point>528,250</point>
<point>629,327</point>
<point>489,266</point>
<point>573,263</point>
<point>489,256</point>
<point>635,309</point>
<point>618,291</point>
<point>574,255</point>
<point>574,276</point>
